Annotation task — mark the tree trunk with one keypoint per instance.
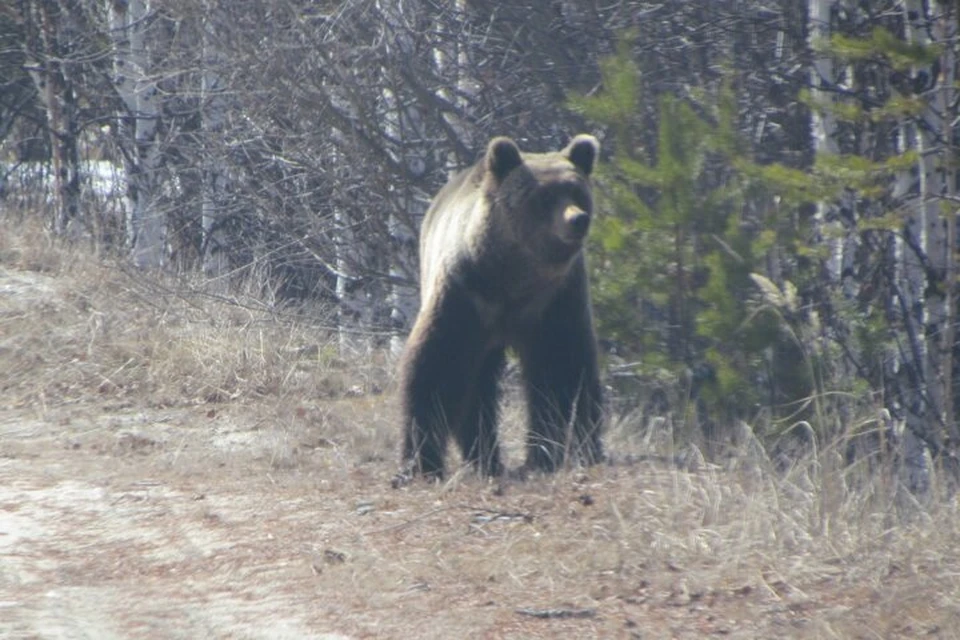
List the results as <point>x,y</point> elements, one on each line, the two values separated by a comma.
<point>828,227</point>
<point>213,106</point>
<point>355,306</point>
<point>146,226</point>
<point>404,124</point>
<point>924,259</point>
<point>47,51</point>
<point>946,31</point>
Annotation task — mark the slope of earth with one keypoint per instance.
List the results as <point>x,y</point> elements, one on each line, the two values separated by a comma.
<point>184,470</point>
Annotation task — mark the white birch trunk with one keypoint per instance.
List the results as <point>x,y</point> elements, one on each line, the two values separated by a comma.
<point>452,64</point>
<point>146,226</point>
<point>214,187</point>
<point>355,306</point>
<point>404,123</point>
<point>823,129</point>
<point>910,281</point>
<point>924,234</point>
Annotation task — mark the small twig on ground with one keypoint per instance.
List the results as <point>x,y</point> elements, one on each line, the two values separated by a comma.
<point>494,514</point>
<point>557,613</point>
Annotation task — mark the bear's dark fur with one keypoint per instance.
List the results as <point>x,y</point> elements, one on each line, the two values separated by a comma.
<point>502,266</point>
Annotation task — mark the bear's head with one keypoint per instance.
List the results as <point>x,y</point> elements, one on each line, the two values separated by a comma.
<point>543,200</point>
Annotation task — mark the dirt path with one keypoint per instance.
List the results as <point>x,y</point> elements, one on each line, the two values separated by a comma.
<point>175,524</point>
<point>132,507</point>
<point>104,535</point>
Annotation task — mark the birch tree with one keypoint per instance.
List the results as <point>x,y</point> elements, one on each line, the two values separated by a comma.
<point>213,113</point>
<point>929,236</point>
<point>403,124</point>
<point>825,80</point>
<point>146,225</point>
<point>922,400</point>
<point>897,115</point>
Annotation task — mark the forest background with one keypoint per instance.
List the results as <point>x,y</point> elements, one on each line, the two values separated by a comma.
<point>776,243</point>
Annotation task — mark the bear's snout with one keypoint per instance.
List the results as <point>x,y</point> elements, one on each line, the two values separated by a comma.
<point>578,221</point>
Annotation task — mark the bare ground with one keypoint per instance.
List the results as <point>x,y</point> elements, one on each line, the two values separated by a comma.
<point>139,499</point>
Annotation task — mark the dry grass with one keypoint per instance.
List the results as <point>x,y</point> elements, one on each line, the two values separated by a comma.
<point>270,457</point>
<point>73,326</point>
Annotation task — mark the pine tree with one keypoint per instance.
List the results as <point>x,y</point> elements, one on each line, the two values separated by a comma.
<point>685,229</point>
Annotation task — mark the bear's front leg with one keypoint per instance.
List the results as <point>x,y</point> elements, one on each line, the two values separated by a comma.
<point>477,435</point>
<point>438,380</point>
<point>562,382</point>
<point>565,410</point>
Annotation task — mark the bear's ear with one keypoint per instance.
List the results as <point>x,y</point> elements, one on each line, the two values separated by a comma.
<point>503,156</point>
<point>582,152</point>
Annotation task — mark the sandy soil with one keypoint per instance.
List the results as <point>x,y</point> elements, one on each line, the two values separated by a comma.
<point>125,518</point>
<point>102,535</point>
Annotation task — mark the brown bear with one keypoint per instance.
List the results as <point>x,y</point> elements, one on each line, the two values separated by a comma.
<point>502,265</point>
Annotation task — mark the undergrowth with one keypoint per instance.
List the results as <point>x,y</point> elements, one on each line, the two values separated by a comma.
<point>797,528</point>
